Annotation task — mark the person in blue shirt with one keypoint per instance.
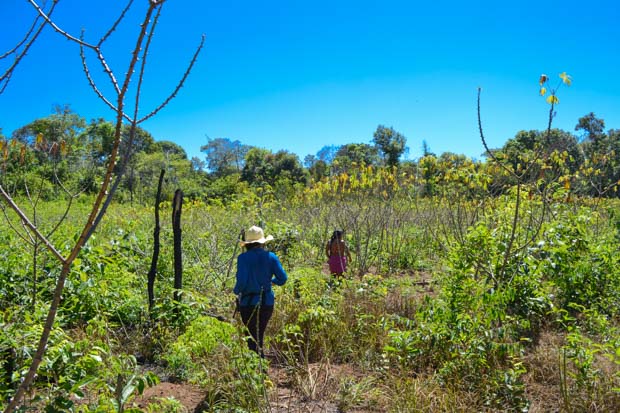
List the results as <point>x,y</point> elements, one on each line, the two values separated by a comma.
<point>257,270</point>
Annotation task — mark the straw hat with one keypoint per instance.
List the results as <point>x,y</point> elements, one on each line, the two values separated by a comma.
<point>255,235</point>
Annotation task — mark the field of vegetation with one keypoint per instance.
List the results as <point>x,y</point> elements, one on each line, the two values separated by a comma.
<point>474,286</point>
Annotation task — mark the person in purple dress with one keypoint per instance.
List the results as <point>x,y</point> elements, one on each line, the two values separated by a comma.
<point>338,253</point>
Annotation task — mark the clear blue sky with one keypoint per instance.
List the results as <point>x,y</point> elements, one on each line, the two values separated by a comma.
<point>300,75</point>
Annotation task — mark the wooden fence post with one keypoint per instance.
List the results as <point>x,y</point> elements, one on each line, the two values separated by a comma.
<point>176,232</point>
<point>153,270</point>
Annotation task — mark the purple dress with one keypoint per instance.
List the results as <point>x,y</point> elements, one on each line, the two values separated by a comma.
<point>337,264</point>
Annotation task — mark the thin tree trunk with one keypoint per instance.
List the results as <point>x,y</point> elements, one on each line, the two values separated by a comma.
<point>103,197</point>
<point>131,186</point>
<point>153,270</point>
<point>35,285</point>
<point>176,232</point>
<point>45,334</point>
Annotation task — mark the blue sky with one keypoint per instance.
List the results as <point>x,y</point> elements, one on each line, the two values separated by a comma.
<point>299,75</point>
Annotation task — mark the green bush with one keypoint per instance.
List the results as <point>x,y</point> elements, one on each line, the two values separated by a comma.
<point>214,355</point>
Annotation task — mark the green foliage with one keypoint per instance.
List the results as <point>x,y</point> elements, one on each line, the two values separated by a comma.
<point>353,154</point>
<point>390,143</point>
<point>98,285</point>
<point>224,156</point>
<point>527,143</point>
<point>286,244</point>
<point>263,167</point>
<point>584,381</point>
<point>166,405</point>
<point>63,149</point>
<point>214,355</point>
<point>460,270</point>
<point>74,368</point>
<point>583,270</point>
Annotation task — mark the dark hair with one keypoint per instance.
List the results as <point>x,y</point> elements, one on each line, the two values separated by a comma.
<point>337,234</point>
<point>253,245</point>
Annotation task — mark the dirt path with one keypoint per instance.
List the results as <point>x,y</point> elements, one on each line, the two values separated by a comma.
<point>283,399</point>
<point>190,396</point>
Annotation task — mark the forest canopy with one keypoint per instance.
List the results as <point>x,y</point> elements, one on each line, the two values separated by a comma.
<point>66,148</point>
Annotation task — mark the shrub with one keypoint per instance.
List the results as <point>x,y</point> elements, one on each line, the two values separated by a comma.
<point>214,355</point>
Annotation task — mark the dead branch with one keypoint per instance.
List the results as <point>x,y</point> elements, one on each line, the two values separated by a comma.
<point>6,76</point>
<point>104,196</point>
<point>116,23</point>
<point>143,63</point>
<point>7,198</point>
<point>179,85</point>
<point>48,20</point>
<point>92,83</point>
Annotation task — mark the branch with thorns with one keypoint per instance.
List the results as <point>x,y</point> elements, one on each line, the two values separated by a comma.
<point>107,188</point>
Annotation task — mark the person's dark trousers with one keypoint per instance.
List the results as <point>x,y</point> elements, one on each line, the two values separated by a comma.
<point>256,319</point>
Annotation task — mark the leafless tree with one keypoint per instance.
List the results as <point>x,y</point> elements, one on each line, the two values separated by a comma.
<point>124,108</point>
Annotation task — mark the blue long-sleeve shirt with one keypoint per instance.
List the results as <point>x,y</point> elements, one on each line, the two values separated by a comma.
<point>256,269</point>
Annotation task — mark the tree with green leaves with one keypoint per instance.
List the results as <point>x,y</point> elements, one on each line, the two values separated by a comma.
<point>593,128</point>
<point>426,149</point>
<point>169,148</point>
<point>264,167</point>
<point>354,153</point>
<point>62,125</point>
<point>61,149</point>
<point>390,143</point>
<point>529,142</point>
<point>602,153</point>
<point>224,156</point>
<point>327,153</point>
<point>317,168</point>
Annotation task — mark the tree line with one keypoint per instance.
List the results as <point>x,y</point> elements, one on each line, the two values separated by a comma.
<point>63,150</point>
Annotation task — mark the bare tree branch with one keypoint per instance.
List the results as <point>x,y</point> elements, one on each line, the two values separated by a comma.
<point>92,82</point>
<point>58,29</point>
<point>109,71</point>
<point>143,63</point>
<point>17,231</point>
<point>26,37</point>
<point>179,86</point>
<point>68,207</point>
<point>31,226</point>
<point>484,142</point>
<point>136,51</point>
<point>116,23</point>
<point>6,76</point>
<point>107,188</point>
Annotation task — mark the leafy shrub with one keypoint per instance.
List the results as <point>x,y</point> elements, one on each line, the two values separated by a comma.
<point>584,268</point>
<point>100,284</point>
<point>214,355</point>
<point>589,374</point>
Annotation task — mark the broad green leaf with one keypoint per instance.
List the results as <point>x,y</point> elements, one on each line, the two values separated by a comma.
<point>128,391</point>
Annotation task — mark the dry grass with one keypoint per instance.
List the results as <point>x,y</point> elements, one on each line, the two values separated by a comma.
<point>544,381</point>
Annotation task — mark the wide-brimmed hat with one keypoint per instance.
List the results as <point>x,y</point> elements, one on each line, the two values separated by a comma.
<point>255,235</point>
